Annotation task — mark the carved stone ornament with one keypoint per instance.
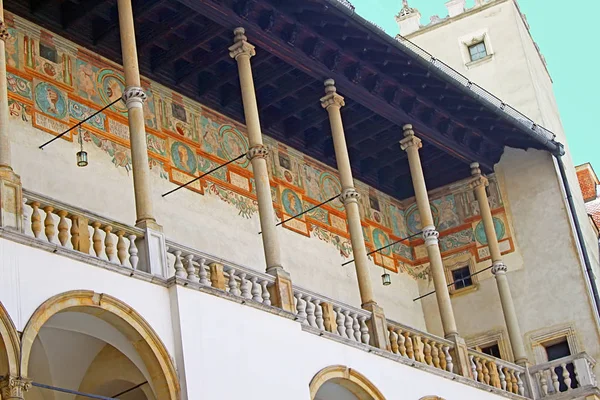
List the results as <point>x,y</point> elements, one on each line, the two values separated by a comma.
<point>410,139</point>
<point>134,97</point>
<point>4,35</point>
<point>499,267</point>
<point>331,97</point>
<point>13,388</point>
<point>349,195</point>
<point>430,236</point>
<point>260,150</point>
<point>240,45</point>
<point>479,181</point>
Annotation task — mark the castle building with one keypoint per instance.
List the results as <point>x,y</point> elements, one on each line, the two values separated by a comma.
<point>257,199</point>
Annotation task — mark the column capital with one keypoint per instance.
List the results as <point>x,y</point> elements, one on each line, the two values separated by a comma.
<point>498,267</point>
<point>4,35</point>
<point>332,98</point>
<point>13,388</point>
<point>349,195</point>
<point>259,150</point>
<point>479,181</point>
<point>409,138</point>
<point>134,97</point>
<point>430,236</point>
<point>240,45</point>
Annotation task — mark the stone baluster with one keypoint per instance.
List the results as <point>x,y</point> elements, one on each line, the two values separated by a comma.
<point>401,343</point>
<point>266,296</point>
<point>515,382</point>
<point>63,228</point>
<point>310,312</point>
<point>109,244</point>
<point>493,371</point>
<point>255,289</point>
<point>97,239</point>
<point>244,286</point>
<point>435,355</point>
<point>356,327</point>
<point>364,330</point>
<point>340,321</point>
<point>75,233</point>
<point>179,270</point>
<point>393,339</point>
<point>502,378</point>
<point>543,383</point>
<point>474,371</point>
<point>520,384</point>
<point>555,382</point>
<point>191,269</point>
<point>319,315</point>
<point>449,364</point>
<point>301,307</point>
<point>49,228</point>
<point>232,284</point>
<point>348,325</point>
<point>133,252</point>
<point>202,275</point>
<point>121,247</point>
<point>427,351</point>
<point>486,371</point>
<point>410,352</point>
<point>36,220</point>
<point>566,376</point>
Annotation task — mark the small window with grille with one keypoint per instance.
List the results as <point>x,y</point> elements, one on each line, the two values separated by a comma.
<point>492,350</point>
<point>462,278</point>
<point>477,51</point>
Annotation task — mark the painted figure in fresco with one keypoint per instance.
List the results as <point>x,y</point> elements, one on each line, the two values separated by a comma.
<point>85,74</point>
<point>113,90</point>
<point>448,217</point>
<point>183,157</point>
<point>210,137</point>
<point>291,202</point>
<point>234,146</point>
<point>52,97</point>
<point>380,240</point>
<point>11,50</point>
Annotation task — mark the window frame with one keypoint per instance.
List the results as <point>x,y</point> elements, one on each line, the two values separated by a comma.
<point>478,52</point>
<point>472,39</point>
<point>459,261</point>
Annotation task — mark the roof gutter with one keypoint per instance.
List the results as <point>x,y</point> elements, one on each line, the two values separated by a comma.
<point>439,69</point>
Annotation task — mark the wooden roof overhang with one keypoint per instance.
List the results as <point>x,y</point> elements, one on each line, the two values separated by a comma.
<point>183,45</point>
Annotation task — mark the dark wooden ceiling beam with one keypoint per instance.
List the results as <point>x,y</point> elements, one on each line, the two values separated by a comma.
<point>291,88</point>
<point>73,12</point>
<point>140,9</point>
<point>231,74</point>
<point>149,36</point>
<point>272,76</point>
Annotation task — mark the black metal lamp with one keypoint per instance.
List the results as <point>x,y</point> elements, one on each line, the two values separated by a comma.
<point>82,157</point>
<point>386,279</point>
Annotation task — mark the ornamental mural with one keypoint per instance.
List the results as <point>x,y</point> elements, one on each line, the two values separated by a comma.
<point>54,84</point>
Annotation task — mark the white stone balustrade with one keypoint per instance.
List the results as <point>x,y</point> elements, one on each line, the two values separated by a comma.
<point>343,320</point>
<point>498,373</point>
<point>239,281</point>
<point>69,227</point>
<point>569,374</point>
<point>420,346</point>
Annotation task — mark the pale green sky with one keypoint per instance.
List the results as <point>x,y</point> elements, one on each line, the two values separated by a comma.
<point>567,32</point>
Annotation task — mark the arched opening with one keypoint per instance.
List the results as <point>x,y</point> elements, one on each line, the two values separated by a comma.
<point>94,343</point>
<point>342,383</point>
<point>9,345</point>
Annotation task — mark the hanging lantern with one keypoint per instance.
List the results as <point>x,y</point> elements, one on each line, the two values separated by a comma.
<point>386,279</point>
<point>82,157</point>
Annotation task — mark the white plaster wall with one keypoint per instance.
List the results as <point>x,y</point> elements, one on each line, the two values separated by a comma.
<point>550,290</point>
<point>272,358</point>
<point>203,222</point>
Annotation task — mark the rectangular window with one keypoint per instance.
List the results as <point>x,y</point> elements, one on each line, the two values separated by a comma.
<point>492,350</point>
<point>556,351</point>
<point>462,278</point>
<point>477,51</point>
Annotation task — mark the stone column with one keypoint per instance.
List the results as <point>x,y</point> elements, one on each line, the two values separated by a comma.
<point>12,388</point>
<point>411,144</point>
<point>134,98</point>
<point>11,195</point>
<point>333,102</point>
<point>242,51</point>
<point>153,248</point>
<point>499,269</point>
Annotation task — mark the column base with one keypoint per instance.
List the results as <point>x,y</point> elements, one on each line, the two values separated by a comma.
<point>282,294</point>
<point>13,388</point>
<point>461,356</point>
<point>149,223</point>
<point>153,253</point>
<point>378,327</point>
<point>11,200</point>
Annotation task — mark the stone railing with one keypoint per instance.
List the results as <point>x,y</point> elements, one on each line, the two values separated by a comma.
<point>210,271</point>
<point>568,374</point>
<point>498,373</point>
<point>54,222</point>
<point>420,346</point>
<point>331,316</point>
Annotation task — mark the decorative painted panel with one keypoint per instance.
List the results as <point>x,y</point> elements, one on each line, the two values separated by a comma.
<point>53,84</point>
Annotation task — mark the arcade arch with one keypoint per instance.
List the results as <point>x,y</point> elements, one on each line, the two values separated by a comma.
<point>342,383</point>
